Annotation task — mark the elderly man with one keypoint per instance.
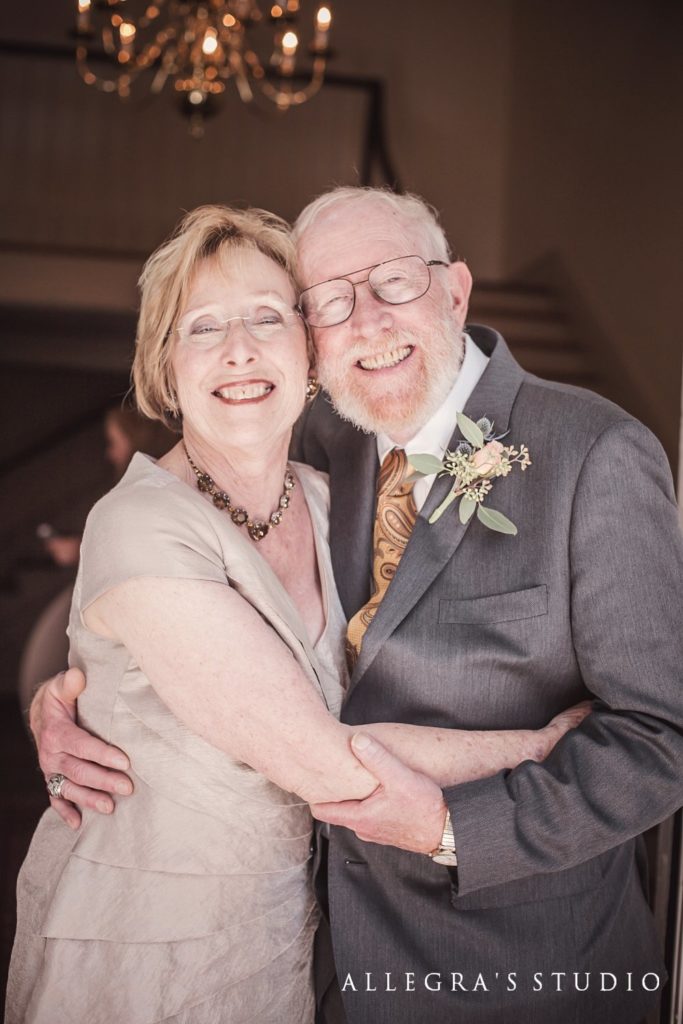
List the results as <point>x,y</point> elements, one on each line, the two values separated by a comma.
<point>521,894</point>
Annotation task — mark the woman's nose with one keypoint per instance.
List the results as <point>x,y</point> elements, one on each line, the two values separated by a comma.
<point>239,348</point>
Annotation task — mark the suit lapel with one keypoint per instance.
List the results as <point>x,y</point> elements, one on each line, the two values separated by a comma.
<point>353,474</point>
<point>431,547</point>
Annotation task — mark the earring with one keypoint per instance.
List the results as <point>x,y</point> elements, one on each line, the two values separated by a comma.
<point>312,388</point>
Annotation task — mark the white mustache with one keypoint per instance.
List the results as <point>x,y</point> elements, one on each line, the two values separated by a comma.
<point>381,344</point>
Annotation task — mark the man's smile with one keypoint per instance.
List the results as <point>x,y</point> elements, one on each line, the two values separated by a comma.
<point>386,360</point>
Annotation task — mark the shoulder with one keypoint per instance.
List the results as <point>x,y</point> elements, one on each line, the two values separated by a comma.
<point>151,524</point>
<point>581,417</point>
<point>585,431</point>
<point>572,407</point>
<point>149,505</point>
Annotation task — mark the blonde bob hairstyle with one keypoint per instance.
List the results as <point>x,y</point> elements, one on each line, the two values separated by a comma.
<point>209,232</point>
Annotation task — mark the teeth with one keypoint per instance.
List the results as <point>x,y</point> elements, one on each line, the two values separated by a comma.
<point>392,358</point>
<point>242,392</point>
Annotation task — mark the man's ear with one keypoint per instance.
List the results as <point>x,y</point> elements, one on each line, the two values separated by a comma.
<point>459,286</point>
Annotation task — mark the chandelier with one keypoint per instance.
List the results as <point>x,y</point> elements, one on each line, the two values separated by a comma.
<point>199,46</point>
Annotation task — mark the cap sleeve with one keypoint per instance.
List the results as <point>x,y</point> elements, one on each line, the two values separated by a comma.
<point>144,530</point>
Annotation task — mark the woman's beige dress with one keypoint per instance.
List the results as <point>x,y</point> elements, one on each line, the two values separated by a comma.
<point>193,902</point>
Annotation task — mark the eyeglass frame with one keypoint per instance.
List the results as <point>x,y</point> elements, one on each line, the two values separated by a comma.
<point>366,280</point>
<point>294,311</point>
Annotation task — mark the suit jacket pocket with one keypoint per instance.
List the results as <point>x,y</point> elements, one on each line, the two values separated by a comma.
<point>532,889</point>
<point>516,604</point>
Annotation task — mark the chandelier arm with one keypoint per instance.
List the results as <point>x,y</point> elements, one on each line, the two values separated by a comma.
<point>155,49</point>
<point>283,97</point>
<point>91,77</point>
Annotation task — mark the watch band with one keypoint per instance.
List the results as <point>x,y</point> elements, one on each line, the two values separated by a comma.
<point>445,851</point>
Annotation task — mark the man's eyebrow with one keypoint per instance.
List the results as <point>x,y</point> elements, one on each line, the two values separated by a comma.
<point>350,273</point>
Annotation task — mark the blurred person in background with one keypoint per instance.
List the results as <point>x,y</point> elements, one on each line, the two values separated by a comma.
<point>126,431</point>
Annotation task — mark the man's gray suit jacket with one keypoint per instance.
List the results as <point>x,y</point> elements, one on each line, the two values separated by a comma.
<point>479,630</point>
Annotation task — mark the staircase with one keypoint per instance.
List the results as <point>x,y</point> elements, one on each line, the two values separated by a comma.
<point>539,332</point>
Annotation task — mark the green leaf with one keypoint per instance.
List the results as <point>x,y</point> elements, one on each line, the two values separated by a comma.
<point>466,509</point>
<point>438,512</point>
<point>495,520</point>
<point>470,431</point>
<point>426,464</point>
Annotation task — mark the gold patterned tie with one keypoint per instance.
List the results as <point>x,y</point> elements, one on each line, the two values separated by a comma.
<point>395,518</point>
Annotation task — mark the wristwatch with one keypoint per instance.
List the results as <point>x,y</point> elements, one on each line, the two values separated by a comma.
<point>445,852</point>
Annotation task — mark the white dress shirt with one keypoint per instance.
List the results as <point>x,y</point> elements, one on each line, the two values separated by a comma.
<point>434,437</point>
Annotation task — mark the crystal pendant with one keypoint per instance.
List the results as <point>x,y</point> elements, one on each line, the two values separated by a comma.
<point>221,500</point>
<point>257,530</point>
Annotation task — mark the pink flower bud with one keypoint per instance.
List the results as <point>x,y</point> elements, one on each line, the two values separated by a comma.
<point>488,458</point>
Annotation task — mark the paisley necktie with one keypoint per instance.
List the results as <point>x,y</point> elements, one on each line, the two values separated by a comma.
<point>394,519</point>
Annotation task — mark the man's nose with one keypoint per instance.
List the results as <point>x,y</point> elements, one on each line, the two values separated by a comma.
<point>370,314</point>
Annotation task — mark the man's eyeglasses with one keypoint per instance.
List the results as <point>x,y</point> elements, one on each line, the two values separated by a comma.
<point>263,322</point>
<point>395,281</point>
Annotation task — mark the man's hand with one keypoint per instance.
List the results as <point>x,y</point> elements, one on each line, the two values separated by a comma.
<point>406,810</point>
<point>64,749</point>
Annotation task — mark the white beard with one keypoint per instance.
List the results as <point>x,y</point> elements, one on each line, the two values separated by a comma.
<point>396,412</point>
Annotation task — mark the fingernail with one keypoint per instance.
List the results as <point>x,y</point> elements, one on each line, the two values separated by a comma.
<point>73,824</point>
<point>123,788</point>
<point>103,806</point>
<point>120,761</point>
<point>361,741</point>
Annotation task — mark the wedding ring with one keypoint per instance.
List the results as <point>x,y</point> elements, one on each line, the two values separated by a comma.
<point>55,784</point>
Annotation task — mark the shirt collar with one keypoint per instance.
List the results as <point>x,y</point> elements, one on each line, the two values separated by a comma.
<point>433,438</point>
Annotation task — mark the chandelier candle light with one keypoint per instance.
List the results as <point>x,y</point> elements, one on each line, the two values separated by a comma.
<point>199,46</point>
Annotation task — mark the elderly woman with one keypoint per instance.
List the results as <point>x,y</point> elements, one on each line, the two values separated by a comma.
<point>206,618</point>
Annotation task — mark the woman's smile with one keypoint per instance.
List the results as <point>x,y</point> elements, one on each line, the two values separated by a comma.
<point>244,392</point>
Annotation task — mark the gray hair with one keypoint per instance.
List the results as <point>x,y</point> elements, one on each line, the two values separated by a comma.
<point>411,208</point>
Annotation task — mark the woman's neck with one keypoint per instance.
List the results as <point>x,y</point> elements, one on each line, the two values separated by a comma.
<point>253,478</point>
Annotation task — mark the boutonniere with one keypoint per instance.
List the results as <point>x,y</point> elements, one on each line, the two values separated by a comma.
<point>474,465</point>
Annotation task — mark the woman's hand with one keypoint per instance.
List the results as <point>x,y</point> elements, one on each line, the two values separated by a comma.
<point>88,764</point>
<point>544,740</point>
<point>407,809</point>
